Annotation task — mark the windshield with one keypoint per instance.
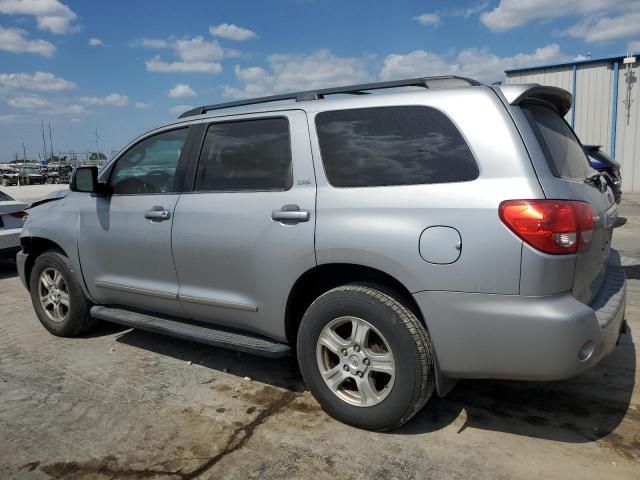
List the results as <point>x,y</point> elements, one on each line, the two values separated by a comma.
<point>563,151</point>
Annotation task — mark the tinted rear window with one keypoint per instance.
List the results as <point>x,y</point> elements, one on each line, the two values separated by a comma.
<point>563,152</point>
<point>246,155</point>
<point>410,145</point>
<point>4,197</point>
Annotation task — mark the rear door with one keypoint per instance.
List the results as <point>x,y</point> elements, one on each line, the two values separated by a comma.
<point>572,178</point>
<point>246,233</point>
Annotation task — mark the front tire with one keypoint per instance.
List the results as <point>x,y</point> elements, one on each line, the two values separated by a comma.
<point>366,357</point>
<point>57,296</point>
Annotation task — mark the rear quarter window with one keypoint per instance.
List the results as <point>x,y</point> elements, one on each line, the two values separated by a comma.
<point>562,150</point>
<point>385,146</point>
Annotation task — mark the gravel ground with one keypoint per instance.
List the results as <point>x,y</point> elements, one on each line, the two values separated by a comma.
<point>121,403</point>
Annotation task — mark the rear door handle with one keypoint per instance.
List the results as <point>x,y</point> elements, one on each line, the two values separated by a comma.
<point>157,213</point>
<point>290,213</point>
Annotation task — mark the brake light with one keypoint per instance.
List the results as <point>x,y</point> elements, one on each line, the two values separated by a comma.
<point>551,226</point>
<point>21,214</point>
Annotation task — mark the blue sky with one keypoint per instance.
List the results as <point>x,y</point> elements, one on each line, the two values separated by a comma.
<point>123,67</point>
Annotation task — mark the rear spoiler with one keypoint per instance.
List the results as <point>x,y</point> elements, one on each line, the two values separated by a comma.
<point>558,97</point>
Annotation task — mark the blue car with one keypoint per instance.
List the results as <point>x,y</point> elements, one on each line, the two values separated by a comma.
<point>608,167</point>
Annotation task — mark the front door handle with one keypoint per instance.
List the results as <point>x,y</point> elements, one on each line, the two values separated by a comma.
<point>157,214</point>
<point>291,214</point>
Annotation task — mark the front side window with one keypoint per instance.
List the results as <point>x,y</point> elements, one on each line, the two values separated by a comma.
<point>150,166</point>
<point>382,146</point>
<point>246,155</point>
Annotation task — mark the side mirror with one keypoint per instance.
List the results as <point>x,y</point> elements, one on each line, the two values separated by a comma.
<point>85,179</point>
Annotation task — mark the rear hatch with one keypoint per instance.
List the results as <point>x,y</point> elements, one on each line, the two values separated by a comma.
<point>574,179</point>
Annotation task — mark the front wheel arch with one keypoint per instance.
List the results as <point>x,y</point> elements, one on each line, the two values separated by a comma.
<point>34,247</point>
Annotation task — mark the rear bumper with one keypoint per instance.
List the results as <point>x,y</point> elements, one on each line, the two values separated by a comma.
<point>10,239</point>
<point>523,338</point>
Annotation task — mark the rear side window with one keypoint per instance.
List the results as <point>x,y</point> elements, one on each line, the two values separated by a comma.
<point>246,155</point>
<point>411,145</point>
<point>563,151</point>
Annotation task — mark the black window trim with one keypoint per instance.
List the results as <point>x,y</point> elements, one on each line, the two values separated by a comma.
<point>180,168</point>
<point>460,132</point>
<point>203,128</point>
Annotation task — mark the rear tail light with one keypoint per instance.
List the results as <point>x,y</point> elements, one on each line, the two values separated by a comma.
<point>551,226</point>
<point>21,214</point>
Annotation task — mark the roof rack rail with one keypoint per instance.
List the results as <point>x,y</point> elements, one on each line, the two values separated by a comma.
<point>361,89</point>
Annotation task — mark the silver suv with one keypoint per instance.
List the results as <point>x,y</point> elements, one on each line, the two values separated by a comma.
<point>397,239</point>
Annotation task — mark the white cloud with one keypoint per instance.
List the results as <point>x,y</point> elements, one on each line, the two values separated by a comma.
<point>182,90</point>
<point>157,65</point>
<point>479,64</point>
<point>11,119</point>
<point>142,105</point>
<point>14,40</point>
<point>51,15</point>
<point>95,42</point>
<point>195,55</point>
<point>153,43</point>
<point>514,13</point>
<point>468,11</point>
<point>603,29</point>
<point>290,72</point>
<point>37,82</point>
<point>634,47</point>
<point>428,19</point>
<point>180,108</point>
<point>231,32</point>
<point>41,105</point>
<point>198,49</point>
<point>114,99</point>
<point>414,64</point>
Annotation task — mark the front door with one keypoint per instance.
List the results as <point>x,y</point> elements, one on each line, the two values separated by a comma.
<point>246,232</point>
<point>125,237</point>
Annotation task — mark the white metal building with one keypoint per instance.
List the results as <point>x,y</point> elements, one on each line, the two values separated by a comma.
<point>606,107</point>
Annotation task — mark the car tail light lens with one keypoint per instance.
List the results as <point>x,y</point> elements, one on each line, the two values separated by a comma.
<point>21,214</point>
<point>551,226</point>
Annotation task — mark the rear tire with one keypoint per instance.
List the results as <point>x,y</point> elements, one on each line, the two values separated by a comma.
<point>366,357</point>
<point>57,296</point>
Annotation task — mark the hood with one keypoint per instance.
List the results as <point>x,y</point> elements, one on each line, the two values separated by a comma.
<point>51,197</point>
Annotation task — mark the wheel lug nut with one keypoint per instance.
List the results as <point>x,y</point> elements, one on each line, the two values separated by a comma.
<point>344,352</point>
<point>366,361</point>
<point>346,368</point>
<point>359,374</point>
<point>356,348</point>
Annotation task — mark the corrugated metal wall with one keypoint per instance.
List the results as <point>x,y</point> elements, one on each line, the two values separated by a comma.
<point>594,85</point>
<point>627,141</point>
<point>593,109</point>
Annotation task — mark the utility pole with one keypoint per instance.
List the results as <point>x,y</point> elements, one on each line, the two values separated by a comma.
<point>50,141</point>
<point>97,144</point>
<point>24,160</point>
<point>44,142</point>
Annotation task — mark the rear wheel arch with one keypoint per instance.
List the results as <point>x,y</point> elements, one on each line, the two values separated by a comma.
<point>322,278</point>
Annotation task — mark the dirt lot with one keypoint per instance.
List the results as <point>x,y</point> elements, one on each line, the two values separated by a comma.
<point>121,403</point>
